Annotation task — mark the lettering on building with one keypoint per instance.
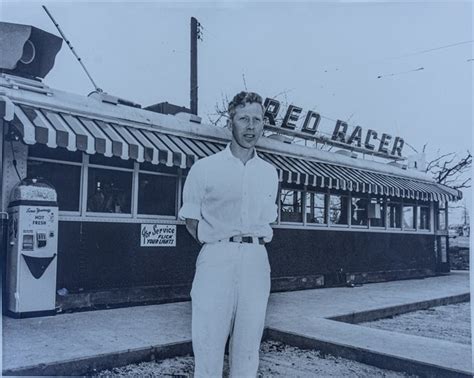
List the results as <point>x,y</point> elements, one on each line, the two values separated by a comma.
<point>306,125</point>
<point>158,235</point>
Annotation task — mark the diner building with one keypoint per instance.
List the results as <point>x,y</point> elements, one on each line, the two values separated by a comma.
<point>119,169</point>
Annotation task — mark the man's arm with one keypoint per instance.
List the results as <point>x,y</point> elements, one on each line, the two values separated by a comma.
<point>193,194</point>
<point>192,227</point>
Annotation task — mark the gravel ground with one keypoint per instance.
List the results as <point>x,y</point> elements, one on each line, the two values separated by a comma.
<point>276,359</point>
<point>452,323</point>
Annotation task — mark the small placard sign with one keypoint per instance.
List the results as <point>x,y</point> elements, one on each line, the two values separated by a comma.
<point>158,235</point>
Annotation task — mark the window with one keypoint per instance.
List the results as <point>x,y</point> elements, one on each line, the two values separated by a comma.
<point>359,216</point>
<point>409,216</point>
<point>59,153</point>
<point>157,194</point>
<point>147,166</point>
<point>315,208</point>
<point>291,208</point>
<point>114,161</point>
<point>109,191</point>
<point>65,178</point>
<point>376,212</point>
<point>442,218</point>
<point>338,209</point>
<point>423,216</point>
<point>394,214</point>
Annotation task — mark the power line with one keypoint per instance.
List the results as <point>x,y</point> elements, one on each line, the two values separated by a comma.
<point>400,73</point>
<point>381,60</point>
<point>432,49</point>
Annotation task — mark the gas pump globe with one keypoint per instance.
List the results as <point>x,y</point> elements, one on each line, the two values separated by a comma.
<point>32,249</point>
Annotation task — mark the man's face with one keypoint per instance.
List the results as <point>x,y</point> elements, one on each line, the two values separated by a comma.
<point>247,124</point>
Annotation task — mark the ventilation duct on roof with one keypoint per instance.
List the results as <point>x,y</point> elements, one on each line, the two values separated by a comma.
<point>27,51</point>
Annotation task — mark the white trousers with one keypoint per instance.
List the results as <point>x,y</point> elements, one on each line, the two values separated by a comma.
<point>229,297</point>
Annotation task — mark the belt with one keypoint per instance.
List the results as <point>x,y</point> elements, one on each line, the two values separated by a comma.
<point>246,239</point>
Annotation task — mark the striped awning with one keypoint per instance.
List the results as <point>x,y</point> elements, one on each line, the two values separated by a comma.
<point>78,132</point>
<point>326,175</point>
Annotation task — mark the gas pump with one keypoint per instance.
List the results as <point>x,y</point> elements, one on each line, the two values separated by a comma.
<point>32,250</point>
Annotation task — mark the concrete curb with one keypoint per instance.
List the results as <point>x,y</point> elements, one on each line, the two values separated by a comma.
<point>91,365</point>
<point>371,315</point>
<point>365,356</point>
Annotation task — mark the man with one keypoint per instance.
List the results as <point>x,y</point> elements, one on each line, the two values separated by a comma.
<point>228,203</point>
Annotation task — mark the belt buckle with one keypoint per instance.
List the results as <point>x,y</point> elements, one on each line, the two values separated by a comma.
<point>247,239</point>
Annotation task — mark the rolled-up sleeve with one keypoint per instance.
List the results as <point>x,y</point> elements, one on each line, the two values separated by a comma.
<point>193,193</point>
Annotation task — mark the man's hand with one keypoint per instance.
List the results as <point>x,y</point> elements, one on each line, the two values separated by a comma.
<point>192,227</point>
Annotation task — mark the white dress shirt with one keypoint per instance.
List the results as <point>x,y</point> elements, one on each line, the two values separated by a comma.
<point>230,198</point>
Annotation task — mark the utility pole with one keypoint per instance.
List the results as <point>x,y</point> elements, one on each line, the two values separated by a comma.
<point>195,35</point>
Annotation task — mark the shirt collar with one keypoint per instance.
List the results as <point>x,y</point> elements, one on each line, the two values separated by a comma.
<point>229,155</point>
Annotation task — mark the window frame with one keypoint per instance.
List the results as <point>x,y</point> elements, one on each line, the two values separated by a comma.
<point>365,196</point>
<point>414,206</point>
<point>177,192</point>
<point>82,214</point>
<point>383,210</point>
<point>313,192</point>
<point>280,212</point>
<point>348,209</point>
<point>64,162</point>
<point>442,206</point>
<point>303,190</point>
<point>419,206</point>
<point>86,190</point>
<point>399,204</point>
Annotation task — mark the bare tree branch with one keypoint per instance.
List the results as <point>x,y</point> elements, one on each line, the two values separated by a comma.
<point>448,169</point>
<point>435,163</point>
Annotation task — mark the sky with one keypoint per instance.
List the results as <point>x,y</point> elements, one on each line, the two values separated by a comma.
<point>355,61</point>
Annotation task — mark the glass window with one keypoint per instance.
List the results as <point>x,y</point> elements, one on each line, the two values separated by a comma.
<point>376,212</point>
<point>394,214</point>
<point>59,153</point>
<point>157,194</point>
<point>147,166</point>
<point>408,216</point>
<point>113,161</point>
<point>315,208</point>
<point>442,219</point>
<point>359,216</point>
<point>423,217</point>
<point>109,191</point>
<point>65,178</point>
<point>338,209</point>
<point>291,206</point>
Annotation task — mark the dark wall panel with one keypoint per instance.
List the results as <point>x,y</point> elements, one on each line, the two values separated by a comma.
<point>302,252</point>
<point>99,255</point>
<point>69,255</point>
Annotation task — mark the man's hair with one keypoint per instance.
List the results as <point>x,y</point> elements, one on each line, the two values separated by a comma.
<point>241,99</point>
